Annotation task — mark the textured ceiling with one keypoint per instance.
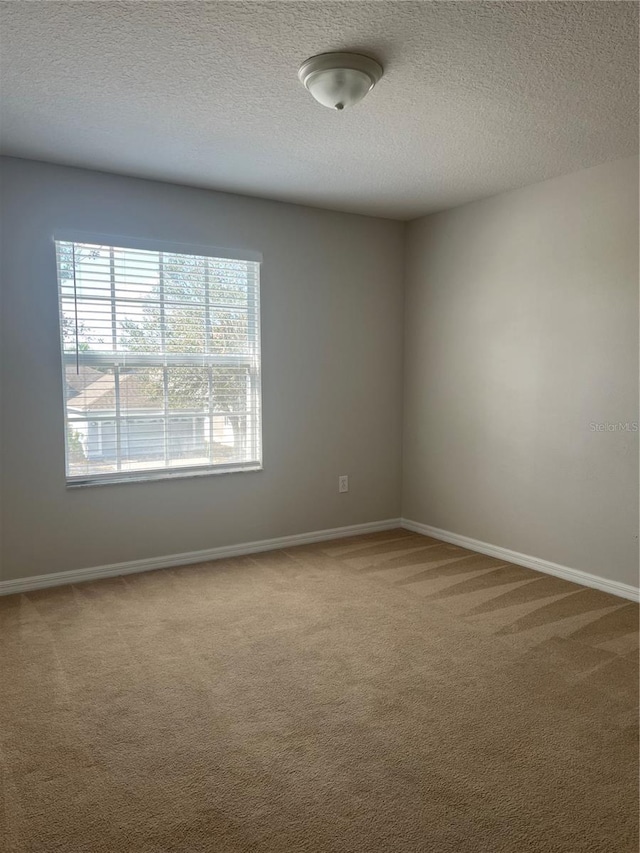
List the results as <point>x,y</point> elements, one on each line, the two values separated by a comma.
<point>476,98</point>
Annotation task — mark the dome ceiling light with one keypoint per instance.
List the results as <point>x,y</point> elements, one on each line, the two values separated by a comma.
<point>339,80</point>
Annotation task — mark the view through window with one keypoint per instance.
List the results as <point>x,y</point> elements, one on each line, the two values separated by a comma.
<point>161,362</point>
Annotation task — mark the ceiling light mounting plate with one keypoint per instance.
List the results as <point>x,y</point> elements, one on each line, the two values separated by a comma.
<point>338,80</point>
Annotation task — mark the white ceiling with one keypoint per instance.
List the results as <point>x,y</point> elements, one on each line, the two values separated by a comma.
<point>476,98</point>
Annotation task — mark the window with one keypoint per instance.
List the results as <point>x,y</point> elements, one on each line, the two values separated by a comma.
<point>161,362</point>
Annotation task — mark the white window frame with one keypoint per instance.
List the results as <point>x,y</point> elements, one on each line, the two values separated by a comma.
<point>253,361</point>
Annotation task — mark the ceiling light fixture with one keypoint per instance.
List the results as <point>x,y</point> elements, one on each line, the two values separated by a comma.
<point>339,80</point>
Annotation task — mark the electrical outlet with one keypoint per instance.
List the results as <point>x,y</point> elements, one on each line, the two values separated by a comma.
<point>343,483</point>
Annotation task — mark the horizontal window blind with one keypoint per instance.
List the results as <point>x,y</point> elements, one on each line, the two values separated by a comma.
<point>161,362</point>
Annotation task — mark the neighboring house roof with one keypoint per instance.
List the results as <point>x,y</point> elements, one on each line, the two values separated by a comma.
<point>99,395</point>
<point>78,378</point>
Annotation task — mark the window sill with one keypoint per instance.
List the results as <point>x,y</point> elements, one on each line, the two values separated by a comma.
<point>152,477</point>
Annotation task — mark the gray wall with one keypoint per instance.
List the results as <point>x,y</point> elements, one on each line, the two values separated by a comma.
<point>521,329</point>
<point>332,373</point>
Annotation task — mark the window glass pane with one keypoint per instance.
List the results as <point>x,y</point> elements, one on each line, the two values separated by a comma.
<point>188,441</point>
<point>88,266</point>
<point>142,443</point>
<point>139,327</point>
<point>231,438</point>
<point>141,390</point>
<point>90,391</point>
<point>228,283</point>
<point>136,275</point>
<point>230,389</point>
<point>229,332</point>
<point>89,321</point>
<point>188,389</point>
<point>91,447</point>
<point>185,278</point>
<point>185,328</point>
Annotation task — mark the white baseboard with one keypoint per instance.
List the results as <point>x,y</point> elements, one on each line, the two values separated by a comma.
<point>18,585</point>
<point>576,575</point>
<point>11,587</point>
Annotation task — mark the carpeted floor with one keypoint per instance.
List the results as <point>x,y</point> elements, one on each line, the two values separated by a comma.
<point>383,693</point>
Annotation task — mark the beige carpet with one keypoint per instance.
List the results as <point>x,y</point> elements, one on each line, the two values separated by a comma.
<point>384,693</point>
